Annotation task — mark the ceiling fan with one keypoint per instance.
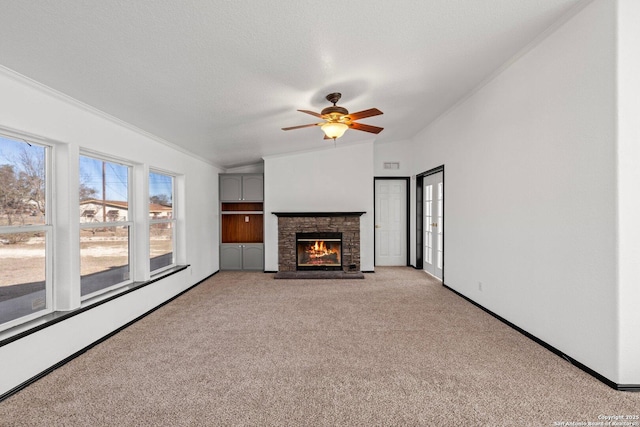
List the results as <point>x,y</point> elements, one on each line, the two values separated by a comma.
<point>337,119</point>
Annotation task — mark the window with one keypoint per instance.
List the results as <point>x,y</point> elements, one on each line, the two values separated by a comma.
<point>25,232</point>
<point>162,221</point>
<point>105,225</point>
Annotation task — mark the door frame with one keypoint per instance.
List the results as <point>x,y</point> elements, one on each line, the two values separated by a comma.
<point>406,180</point>
<point>420,216</point>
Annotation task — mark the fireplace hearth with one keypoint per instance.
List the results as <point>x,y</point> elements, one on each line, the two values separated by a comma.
<point>319,251</point>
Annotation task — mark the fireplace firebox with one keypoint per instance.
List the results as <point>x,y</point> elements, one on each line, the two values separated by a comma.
<point>319,251</point>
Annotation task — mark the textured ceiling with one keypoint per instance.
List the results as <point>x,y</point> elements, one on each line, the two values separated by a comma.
<point>220,78</point>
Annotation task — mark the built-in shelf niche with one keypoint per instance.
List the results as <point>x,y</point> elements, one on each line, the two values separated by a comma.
<point>239,207</point>
<point>242,222</point>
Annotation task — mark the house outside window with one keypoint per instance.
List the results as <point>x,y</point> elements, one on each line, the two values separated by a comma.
<point>25,232</point>
<point>162,222</point>
<point>105,225</point>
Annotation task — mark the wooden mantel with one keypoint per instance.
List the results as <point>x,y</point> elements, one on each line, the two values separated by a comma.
<point>316,214</point>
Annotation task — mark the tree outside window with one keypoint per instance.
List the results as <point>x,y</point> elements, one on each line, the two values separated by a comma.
<point>24,231</point>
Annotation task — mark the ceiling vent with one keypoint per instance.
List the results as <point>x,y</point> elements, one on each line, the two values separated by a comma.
<point>392,165</point>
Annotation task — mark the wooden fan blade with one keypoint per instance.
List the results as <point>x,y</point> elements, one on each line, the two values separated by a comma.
<point>364,114</point>
<point>366,128</point>
<point>302,126</point>
<point>313,113</point>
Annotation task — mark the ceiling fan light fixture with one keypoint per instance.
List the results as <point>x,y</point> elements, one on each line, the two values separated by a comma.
<point>334,130</point>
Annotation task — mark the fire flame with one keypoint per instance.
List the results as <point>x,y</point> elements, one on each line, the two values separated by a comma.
<point>319,249</point>
<point>319,252</point>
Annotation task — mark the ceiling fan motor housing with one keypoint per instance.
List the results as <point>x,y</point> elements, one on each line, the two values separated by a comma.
<point>334,111</point>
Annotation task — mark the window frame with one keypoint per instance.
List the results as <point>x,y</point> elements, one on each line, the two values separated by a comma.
<point>47,228</point>
<point>130,223</point>
<point>173,221</point>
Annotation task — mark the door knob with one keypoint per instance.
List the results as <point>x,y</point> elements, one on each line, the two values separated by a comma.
<point>378,226</point>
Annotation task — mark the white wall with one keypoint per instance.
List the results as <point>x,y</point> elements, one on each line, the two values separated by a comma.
<point>336,179</point>
<point>254,168</point>
<point>530,200</point>
<point>400,152</point>
<point>29,107</point>
<point>628,92</point>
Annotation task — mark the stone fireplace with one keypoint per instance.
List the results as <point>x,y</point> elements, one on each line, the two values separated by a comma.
<point>300,234</point>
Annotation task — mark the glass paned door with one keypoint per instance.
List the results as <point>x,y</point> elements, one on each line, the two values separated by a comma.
<point>433,224</point>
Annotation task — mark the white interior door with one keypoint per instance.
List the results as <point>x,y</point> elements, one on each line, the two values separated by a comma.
<point>391,222</point>
<point>433,225</point>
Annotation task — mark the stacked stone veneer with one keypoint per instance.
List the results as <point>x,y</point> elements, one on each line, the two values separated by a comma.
<point>288,226</point>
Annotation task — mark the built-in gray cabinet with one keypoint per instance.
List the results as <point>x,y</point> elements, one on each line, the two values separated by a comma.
<point>230,256</point>
<point>253,256</point>
<point>249,256</point>
<point>241,222</point>
<point>230,188</point>
<point>241,187</point>
<point>253,188</point>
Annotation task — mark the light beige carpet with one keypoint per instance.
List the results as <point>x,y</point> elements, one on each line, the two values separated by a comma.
<point>244,349</point>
